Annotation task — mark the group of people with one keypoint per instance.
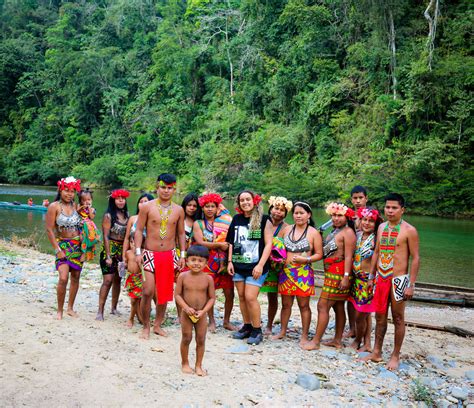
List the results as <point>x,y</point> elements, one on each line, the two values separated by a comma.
<point>186,252</point>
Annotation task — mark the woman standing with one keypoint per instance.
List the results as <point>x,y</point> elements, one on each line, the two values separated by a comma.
<point>133,279</point>
<point>192,212</point>
<point>211,232</point>
<point>304,246</point>
<point>360,295</point>
<point>63,229</point>
<point>250,243</point>
<point>278,210</point>
<point>114,228</point>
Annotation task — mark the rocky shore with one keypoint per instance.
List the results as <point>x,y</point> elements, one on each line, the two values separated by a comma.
<point>81,362</point>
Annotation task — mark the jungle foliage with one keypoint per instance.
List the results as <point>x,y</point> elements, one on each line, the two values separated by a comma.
<point>303,98</point>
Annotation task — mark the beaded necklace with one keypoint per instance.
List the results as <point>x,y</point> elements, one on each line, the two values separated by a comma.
<point>164,215</point>
<point>388,242</point>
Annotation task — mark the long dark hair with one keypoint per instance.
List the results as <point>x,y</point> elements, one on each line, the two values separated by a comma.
<point>58,196</point>
<point>113,210</point>
<point>147,195</point>
<point>187,199</point>
<point>305,207</point>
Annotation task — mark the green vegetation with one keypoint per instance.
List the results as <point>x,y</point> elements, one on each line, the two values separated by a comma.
<point>300,97</point>
<point>421,392</point>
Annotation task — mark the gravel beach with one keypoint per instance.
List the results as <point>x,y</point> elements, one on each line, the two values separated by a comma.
<point>79,362</point>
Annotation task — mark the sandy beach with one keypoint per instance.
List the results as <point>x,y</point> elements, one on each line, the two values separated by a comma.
<point>79,362</point>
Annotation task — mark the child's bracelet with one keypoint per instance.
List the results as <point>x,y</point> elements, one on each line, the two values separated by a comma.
<point>182,254</point>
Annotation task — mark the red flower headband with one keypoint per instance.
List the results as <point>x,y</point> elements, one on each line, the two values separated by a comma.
<point>210,198</point>
<point>256,201</point>
<point>368,213</point>
<point>70,183</point>
<point>119,193</point>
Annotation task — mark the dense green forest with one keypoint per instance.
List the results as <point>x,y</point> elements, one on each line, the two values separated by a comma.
<point>300,97</point>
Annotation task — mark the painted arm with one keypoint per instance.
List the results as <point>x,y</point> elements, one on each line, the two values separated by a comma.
<point>199,237</point>
<point>349,248</point>
<point>50,224</point>
<point>126,241</point>
<point>106,226</point>
<point>141,223</point>
<point>181,239</point>
<point>374,260</point>
<point>414,252</point>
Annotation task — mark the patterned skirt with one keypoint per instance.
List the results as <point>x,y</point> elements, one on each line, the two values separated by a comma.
<point>333,274</point>
<point>116,249</point>
<point>360,296</point>
<point>72,249</point>
<point>296,280</point>
<point>134,284</point>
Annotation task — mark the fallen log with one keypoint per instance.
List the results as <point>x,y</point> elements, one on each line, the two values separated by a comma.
<point>450,329</point>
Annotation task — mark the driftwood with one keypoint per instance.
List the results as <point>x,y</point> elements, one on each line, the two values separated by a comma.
<point>450,329</point>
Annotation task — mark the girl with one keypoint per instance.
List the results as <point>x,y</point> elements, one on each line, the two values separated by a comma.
<point>279,207</point>
<point>114,228</point>
<point>360,296</point>
<point>192,212</point>
<point>133,278</point>
<point>90,235</point>
<point>62,227</point>
<point>250,243</point>
<point>304,246</point>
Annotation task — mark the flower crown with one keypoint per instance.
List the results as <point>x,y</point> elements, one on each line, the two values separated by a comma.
<point>70,183</point>
<point>256,201</point>
<point>280,202</point>
<point>210,198</point>
<point>119,193</point>
<point>340,209</point>
<point>368,213</point>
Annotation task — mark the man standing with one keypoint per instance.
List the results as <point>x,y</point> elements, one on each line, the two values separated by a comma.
<point>397,242</point>
<point>162,221</point>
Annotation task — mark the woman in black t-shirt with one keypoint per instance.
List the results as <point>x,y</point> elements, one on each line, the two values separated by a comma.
<point>250,243</point>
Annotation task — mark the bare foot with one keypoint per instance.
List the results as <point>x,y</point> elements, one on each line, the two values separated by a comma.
<point>229,326</point>
<point>99,317</point>
<point>268,331</point>
<point>310,345</point>
<point>393,363</point>
<point>278,336</point>
<point>59,316</point>
<point>355,345</point>
<point>376,358</point>
<point>349,334</point>
<point>186,369</point>
<point>72,313</point>
<point>145,334</point>
<point>129,323</point>
<point>212,327</point>
<point>200,371</point>
<point>333,343</point>
<point>159,331</point>
<point>365,348</point>
<point>303,340</point>
<point>115,312</point>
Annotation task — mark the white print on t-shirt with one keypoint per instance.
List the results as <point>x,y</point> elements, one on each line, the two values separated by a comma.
<point>249,252</point>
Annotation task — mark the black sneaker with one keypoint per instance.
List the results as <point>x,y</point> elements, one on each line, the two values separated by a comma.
<point>243,333</point>
<point>255,339</point>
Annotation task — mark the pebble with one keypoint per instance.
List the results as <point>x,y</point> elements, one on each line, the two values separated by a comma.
<point>387,375</point>
<point>329,353</point>
<point>469,375</point>
<point>372,400</point>
<point>239,349</point>
<point>308,382</point>
<point>451,399</point>
<point>436,361</point>
<point>443,403</point>
<point>460,393</point>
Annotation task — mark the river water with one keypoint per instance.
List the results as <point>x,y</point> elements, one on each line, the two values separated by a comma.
<point>446,245</point>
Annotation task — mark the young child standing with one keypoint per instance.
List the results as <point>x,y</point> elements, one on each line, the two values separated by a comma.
<point>90,235</point>
<point>195,295</point>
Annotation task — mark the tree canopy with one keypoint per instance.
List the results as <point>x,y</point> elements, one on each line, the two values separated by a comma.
<point>303,98</point>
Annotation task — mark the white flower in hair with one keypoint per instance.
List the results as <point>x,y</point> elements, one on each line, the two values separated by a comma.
<point>70,179</point>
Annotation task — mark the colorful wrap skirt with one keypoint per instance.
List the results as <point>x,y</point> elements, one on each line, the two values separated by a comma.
<point>72,249</point>
<point>277,261</point>
<point>333,275</point>
<point>360,296</point>
<point>116,249</point>
<point>296,280</point>
<point>134,284</point>
<point>90,237</point>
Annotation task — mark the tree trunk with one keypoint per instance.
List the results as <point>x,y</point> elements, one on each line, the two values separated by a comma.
<point>393,51</point>
<point>432,23</point>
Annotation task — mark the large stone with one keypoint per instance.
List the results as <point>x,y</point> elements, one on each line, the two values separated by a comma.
<point>387,375</point>
<point>239,349</point>
<point>308,381</point>
<point>436,361</point>
<point>469,375</point>
<point>460,393</point>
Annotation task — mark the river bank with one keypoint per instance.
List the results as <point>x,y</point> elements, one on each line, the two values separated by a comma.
<point>82,362</point>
